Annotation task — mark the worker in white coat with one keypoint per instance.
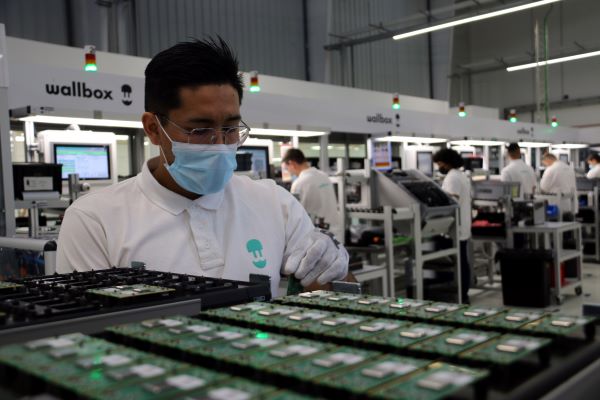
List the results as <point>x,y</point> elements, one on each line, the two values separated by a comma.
<point>559,179</point>
<point>187,212</point>
<point>315,191</point>
<point>594,162</point>
<point>457,184</point>
<point>518,171</point>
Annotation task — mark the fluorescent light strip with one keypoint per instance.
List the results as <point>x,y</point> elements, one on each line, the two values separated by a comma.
<point>554,61</point>
<point>534,144</point>
<point>475,18</point>
<point>477,143</point>
<point>569,146</point>
<point>411,139</point>
<point>50,119</point>
<point>284,132</point>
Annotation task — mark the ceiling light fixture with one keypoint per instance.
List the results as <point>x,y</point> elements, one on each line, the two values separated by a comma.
<point>553,61</point>
<point>51,119</point>
<point>475,18</point>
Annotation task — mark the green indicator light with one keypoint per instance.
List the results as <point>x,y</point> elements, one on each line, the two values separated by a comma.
<point>554,124</point>
<point>462,114</point>
<point>513,119</point>
<point>96,375</point>
<point>255,89</point>
<point>90,68</point>
<point>400,301</point>
<point>262,335</point>
<point>396,106</point>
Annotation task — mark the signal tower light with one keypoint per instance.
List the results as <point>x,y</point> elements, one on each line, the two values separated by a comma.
<point>512,116</point>
<point>90,58</point>
<point>461,110</point>
<point>254,86</point>
<point>396,102</point>
<point>554,122</point>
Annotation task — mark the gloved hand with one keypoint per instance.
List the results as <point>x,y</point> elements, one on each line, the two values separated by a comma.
<point>322,258</point>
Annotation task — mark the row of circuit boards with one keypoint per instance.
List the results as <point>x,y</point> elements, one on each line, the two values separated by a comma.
<point>45,299</point>
<point>312,345</point>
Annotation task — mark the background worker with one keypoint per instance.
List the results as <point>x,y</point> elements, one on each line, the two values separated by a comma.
<point>518,171</point>
<point>559,179</point>
<point>457,184</point>
<point>315,191</point>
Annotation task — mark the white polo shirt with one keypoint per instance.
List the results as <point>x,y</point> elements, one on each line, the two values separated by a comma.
<point>559,178</point>
<point>317,195</point>
<point>250,227</point>
<point>457,184</point>
<point>594,172</point>
<point>518,171</point>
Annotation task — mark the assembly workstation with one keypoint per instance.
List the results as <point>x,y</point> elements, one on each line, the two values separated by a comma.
<point>176,227</point>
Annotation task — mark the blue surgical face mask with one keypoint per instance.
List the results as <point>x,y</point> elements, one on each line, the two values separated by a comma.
<point>201,168</point>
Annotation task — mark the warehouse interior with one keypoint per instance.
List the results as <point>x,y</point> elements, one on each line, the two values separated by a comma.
<point>299,199</point>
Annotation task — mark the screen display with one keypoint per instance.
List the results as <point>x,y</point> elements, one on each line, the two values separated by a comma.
<point>425,162</point>
<point>260,160</point>
<point>564,158</point>
<point>91,162</point>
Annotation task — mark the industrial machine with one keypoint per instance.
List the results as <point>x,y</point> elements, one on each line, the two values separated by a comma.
<point>326,345</point>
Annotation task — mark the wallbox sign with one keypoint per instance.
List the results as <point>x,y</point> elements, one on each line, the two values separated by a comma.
<point>379,118</point>
<point>79,89</point>
<point>36,85</point>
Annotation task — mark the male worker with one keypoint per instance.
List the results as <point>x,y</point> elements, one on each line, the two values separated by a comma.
<point>559,178</point>
<point>186,212</point>
<point>315,191</point>
<point>457,184</point>
<point>518,171</point>
<point>594,162</point>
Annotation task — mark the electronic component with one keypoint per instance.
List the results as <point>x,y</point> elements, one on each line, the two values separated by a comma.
<point>334,360</point>
<point>439,381</point>
<point>470,315</point>
<point>233,389</point>
<point>561,325</point>
<point>454,342</point>
<point>511,319</point>
<point>369,375</point>
<point>433,310</point>
<point>407,336</point>
<point>125,293</point>
<point>506,349</point>
<point>9,287</point>
<point>372,327</point>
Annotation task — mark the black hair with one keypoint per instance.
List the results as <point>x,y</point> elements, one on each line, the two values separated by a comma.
<point>514,149</point>
<point>595,157</point>
<point>295,155</point>
<point>450,157</point>
<point>188,64</point>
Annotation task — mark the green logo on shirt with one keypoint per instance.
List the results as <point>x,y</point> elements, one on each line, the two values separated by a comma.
<point>255,248</point>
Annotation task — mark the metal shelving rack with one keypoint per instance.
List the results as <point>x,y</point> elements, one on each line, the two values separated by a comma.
<point>593,226</point>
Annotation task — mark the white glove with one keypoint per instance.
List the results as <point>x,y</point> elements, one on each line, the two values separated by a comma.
<point>322,258</point>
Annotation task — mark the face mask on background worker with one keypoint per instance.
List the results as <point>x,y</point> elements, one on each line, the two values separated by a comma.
<point>201,168</point>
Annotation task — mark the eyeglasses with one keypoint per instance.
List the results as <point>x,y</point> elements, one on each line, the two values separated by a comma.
<point>229,134</point>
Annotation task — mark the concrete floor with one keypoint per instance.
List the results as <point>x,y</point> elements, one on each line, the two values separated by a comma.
<point>572,304</point>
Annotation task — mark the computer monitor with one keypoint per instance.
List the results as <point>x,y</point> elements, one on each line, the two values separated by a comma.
<point>425,162</point>
<point>90,161</point>
<point>260,160</point>
<point>471,163</point>
<point>564,158</point>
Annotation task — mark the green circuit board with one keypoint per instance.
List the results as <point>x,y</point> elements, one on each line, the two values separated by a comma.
<point>511,320</point>
<point>234,389</point>
<point>558,325</point>
<point>336,359</point>
<point>370,375</point>
<point>470,315</point>
<point>130,291</point>
<point>369,328</point>
<point>408,335</point>
<point>454,342</point>
<point>439,381</point>
<point>506,349</point>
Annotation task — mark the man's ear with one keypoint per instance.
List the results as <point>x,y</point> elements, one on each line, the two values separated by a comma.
<point>151,127</point>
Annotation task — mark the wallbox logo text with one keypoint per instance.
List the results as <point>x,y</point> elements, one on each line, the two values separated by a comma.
<point>79,89</point>
<point>379,118</point>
